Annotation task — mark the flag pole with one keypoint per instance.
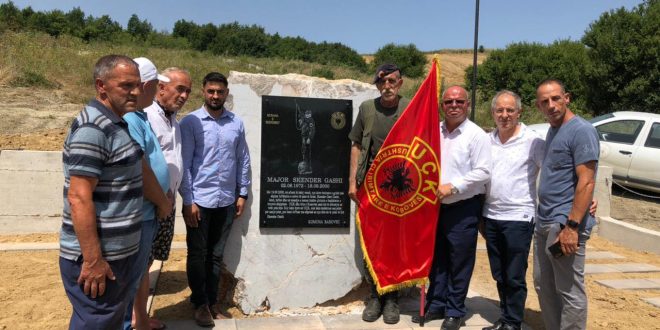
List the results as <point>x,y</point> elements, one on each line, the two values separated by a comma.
<point>422,294</point>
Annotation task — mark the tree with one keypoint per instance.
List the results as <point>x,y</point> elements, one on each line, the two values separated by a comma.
<point>10,17</point>
<point>235,39</point>
<point>521,66</point>
<point>407,57</point>
<point>137,28</point>
<point>624,71</point>
<point>102,28</point>
<point>75,22</point>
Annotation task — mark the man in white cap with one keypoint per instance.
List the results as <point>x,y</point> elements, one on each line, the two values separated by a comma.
<point>157,202</point>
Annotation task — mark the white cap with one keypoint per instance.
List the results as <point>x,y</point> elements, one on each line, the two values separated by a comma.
<point>148,70</point>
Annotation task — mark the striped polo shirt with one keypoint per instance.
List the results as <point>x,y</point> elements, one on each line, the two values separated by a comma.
<point>99,146</point>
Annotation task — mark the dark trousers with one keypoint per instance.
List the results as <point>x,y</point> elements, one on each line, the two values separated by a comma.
<point>454,256</point>
<point>508,245</point>
<point>103,312</point>
<point>206,244</point>
<point>373,291</point>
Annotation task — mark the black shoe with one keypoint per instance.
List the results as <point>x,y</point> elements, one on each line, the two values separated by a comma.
<point>499,325</point>
<point>428,317</point>
<point>372,312</point>
<point>451,323</point>
<point>391,312</point>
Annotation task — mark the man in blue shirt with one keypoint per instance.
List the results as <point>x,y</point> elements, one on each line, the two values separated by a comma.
<point>214,188</point>
<point>568,175</point>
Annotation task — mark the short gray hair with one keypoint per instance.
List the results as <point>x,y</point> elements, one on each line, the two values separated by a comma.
<point>506,92</point>
<point>108,63</point>
<point>172,69</point>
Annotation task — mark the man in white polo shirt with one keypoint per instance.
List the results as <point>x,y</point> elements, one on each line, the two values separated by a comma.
<point>465,163</point>
<point>510,205</point>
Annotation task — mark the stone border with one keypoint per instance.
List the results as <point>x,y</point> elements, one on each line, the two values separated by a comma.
<point>628,235</point>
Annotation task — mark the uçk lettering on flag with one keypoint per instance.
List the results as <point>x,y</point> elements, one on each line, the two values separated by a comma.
<point>398,211</point>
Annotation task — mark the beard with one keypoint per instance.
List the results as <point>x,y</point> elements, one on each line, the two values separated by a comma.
<point>215,106</point>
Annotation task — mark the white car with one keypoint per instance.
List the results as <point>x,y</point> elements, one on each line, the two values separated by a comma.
<point>630,144</point>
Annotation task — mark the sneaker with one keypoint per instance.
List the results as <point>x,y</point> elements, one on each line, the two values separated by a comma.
<point>372,312</point>
<point>391,311</point>
<point>203,317</point>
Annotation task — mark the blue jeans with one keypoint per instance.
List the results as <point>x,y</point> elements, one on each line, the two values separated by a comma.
<point>206,245</point>
<point>103,312</point>
<point>149,230</point>
<point>508,245</point>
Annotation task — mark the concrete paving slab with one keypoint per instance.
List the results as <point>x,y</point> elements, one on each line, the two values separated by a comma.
<point>29,246</point>
<point>483,312</point>
<point>603,255</point>
<point>310,322</point>
<point>635,268</point>
<point>655,301</point>
<point>190,325</point>
<point>630,284</point>
<point>355,322</point>
<point>620,268</point>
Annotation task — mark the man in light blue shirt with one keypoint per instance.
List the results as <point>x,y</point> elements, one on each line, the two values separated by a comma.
<point>157,205</point>
<point>214,188</point>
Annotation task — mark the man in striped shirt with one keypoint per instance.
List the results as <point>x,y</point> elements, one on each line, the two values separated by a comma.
<point>103,192</point>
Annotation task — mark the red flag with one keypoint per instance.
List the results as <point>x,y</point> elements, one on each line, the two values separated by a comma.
<point>398,210</point>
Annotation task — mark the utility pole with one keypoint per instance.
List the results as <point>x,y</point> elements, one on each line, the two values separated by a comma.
<point>474,61</point>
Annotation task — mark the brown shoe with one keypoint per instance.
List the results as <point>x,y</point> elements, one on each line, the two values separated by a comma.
<point>219,313</point>
<point>203,317</point>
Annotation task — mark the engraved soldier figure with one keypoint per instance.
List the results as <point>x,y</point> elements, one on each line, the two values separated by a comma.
<point>305,124</point>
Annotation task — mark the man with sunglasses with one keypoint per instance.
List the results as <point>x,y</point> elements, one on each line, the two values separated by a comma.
<point>214,188</point>
<point>374,121</point>
<point>465,163</point>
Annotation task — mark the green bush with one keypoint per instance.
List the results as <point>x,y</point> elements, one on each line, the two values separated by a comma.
<point>624,71</point>
<point>323,73</point>
<point>410,59</point>
<point>29,78</point>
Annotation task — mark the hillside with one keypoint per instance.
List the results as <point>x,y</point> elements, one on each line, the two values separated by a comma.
<point>56,73</point>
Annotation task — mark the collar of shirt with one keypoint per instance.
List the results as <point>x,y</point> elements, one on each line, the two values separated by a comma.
<point>457,131</point>
<point>106,112</point>
<point>521,134</point>
<point>205,115</point>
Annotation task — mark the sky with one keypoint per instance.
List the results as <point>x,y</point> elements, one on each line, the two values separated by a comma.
<point>367,25</point>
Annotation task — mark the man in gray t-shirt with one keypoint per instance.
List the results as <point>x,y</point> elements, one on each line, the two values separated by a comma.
<point>566,187</point>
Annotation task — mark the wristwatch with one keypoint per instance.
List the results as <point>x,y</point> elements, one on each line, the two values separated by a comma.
<point>572,224</point>
<point>454,190</point>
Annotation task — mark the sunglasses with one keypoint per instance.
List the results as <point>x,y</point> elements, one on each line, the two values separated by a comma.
<point>450,102</point>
